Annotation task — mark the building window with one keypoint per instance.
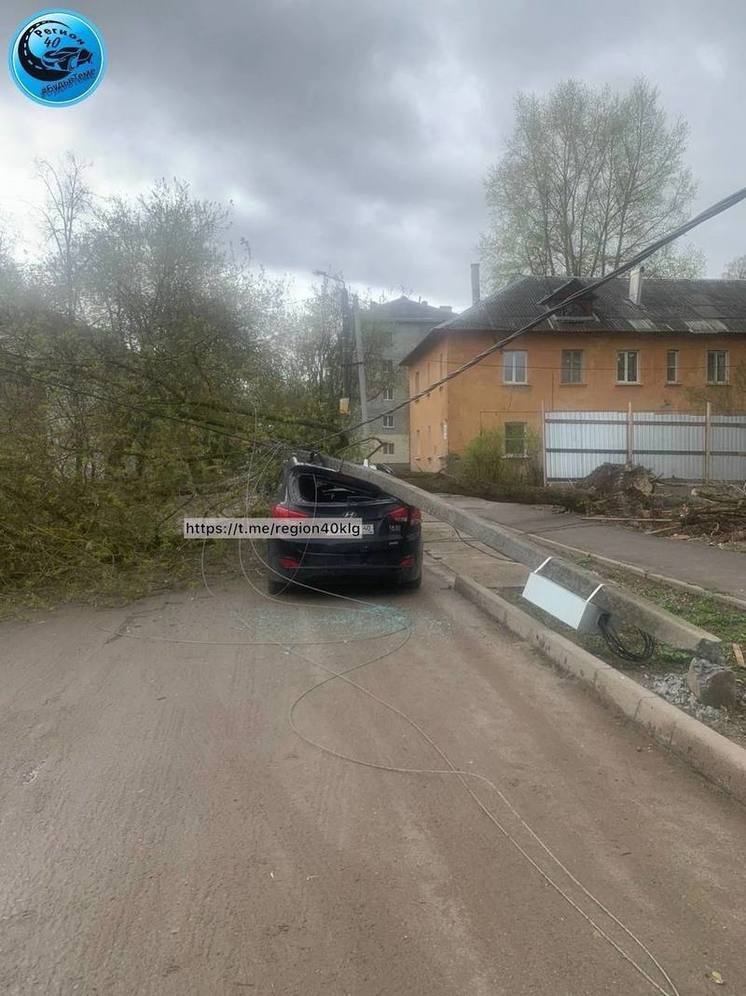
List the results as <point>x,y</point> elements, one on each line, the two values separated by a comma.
<point>628,366</point>
<point>388,394</point>
<point>515,439</point>
<point>717,366</point>
<point>444,430</point>
<point>572,366</point>
<point>388,421</point>
<point>515,367</point>
<point>417,382</point>
<point>387,449</point>
<point>672,366</point>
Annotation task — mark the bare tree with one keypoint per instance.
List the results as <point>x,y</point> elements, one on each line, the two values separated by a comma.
<point>736,269</point>
<point>589,178</point>
<point>66,203</point>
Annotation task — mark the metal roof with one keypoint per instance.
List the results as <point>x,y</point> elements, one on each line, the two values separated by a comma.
<point>692,307</point>
<point>403,309</point>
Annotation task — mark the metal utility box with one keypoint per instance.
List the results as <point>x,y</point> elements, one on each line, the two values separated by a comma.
<point>579,613</point>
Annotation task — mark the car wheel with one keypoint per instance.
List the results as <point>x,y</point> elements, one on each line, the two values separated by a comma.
<point>413,584</point>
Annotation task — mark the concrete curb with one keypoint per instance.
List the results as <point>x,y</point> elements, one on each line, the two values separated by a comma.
<point>708,752</point>
<point>694,589</point>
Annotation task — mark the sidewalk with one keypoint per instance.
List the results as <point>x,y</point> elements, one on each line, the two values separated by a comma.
<point>689,561</point>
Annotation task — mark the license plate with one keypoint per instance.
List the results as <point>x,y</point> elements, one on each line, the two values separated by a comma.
<point>368,528</point>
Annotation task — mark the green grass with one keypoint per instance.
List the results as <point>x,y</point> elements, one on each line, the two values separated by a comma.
<point>106,585</point>
<point>728,623</point>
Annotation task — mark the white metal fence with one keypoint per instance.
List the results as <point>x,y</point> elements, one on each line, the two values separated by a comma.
<point>691,447</point>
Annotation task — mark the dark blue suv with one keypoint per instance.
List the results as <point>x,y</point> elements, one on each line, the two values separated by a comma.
<point>390,549</point>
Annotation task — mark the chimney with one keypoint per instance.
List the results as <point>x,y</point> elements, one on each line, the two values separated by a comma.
<point>635,284</point>
<point>475,283</point>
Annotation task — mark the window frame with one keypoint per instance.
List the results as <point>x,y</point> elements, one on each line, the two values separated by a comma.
<point>726,367</point>
<point>626,353</point>
<point>388,449</point>
<point>512,353</point>
<point>388,422</point>
<point>580,353</point>
<point>524,440</point>
<point>676,379</point>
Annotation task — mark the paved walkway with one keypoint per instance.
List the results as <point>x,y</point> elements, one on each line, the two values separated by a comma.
<point>690,561</point>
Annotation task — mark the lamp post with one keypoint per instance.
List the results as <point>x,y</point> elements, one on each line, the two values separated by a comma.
<point>357,332</point>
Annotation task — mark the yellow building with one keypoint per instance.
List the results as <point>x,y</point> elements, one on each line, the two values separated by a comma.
<point>647,343</point>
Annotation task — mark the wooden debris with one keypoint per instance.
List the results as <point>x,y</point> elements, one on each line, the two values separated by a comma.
<point>631,493</point>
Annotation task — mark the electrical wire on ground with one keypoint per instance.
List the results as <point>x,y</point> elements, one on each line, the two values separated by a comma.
<point>620,647</point>
<point>290,647</point>
<point>608,629</point>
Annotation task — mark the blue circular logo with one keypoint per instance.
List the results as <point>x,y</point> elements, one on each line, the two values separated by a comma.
<point>57,57</point>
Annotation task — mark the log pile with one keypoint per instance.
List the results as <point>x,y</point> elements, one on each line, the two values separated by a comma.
<point>717,510</point>
<point>634,495</point>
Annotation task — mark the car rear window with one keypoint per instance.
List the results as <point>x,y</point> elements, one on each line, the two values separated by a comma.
<point>328,490</point>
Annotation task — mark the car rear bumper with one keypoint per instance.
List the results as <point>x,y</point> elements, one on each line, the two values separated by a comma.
<point>359,560</point>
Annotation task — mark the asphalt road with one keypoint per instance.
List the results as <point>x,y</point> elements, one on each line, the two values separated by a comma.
<point>164,830</point>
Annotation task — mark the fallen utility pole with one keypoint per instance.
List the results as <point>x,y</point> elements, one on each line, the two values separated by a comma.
<point>612,598</point>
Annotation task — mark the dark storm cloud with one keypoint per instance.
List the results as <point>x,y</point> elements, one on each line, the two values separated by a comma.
<point>356,135</point>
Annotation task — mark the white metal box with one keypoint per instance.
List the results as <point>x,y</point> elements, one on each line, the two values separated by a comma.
<point>579,613</point>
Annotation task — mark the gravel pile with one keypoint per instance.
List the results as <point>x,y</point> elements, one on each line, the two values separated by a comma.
<point>673,688</point>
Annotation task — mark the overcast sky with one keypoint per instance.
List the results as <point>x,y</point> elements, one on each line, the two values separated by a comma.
<point>356,135</point>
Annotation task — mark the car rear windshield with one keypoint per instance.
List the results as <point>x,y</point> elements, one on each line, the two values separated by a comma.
<point>329,490</point>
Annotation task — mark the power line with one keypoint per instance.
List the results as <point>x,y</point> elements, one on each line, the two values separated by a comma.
<point>710,212</point>
<point>81,367</point>
<point>206,427</point>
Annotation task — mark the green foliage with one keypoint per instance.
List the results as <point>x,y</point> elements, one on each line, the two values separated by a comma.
<point>142,366</point>
<point>485,462</point>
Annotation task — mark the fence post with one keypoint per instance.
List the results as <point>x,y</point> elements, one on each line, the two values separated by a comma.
<point>630,434</point>
<point>708,441</point>
<point>543,445</point>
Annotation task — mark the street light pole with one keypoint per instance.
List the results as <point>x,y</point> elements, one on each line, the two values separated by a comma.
<point>354,313</point>
<point>361,378</point>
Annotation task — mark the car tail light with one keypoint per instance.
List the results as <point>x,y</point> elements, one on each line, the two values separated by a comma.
<point>283,512</point>
<point>405,513</point>
<point>407,561</point>
<point>289,563</point>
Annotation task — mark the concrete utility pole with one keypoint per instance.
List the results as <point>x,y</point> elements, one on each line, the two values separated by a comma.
<point>351,313</point>
<point>346,337</point>
<point>360,359</point>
